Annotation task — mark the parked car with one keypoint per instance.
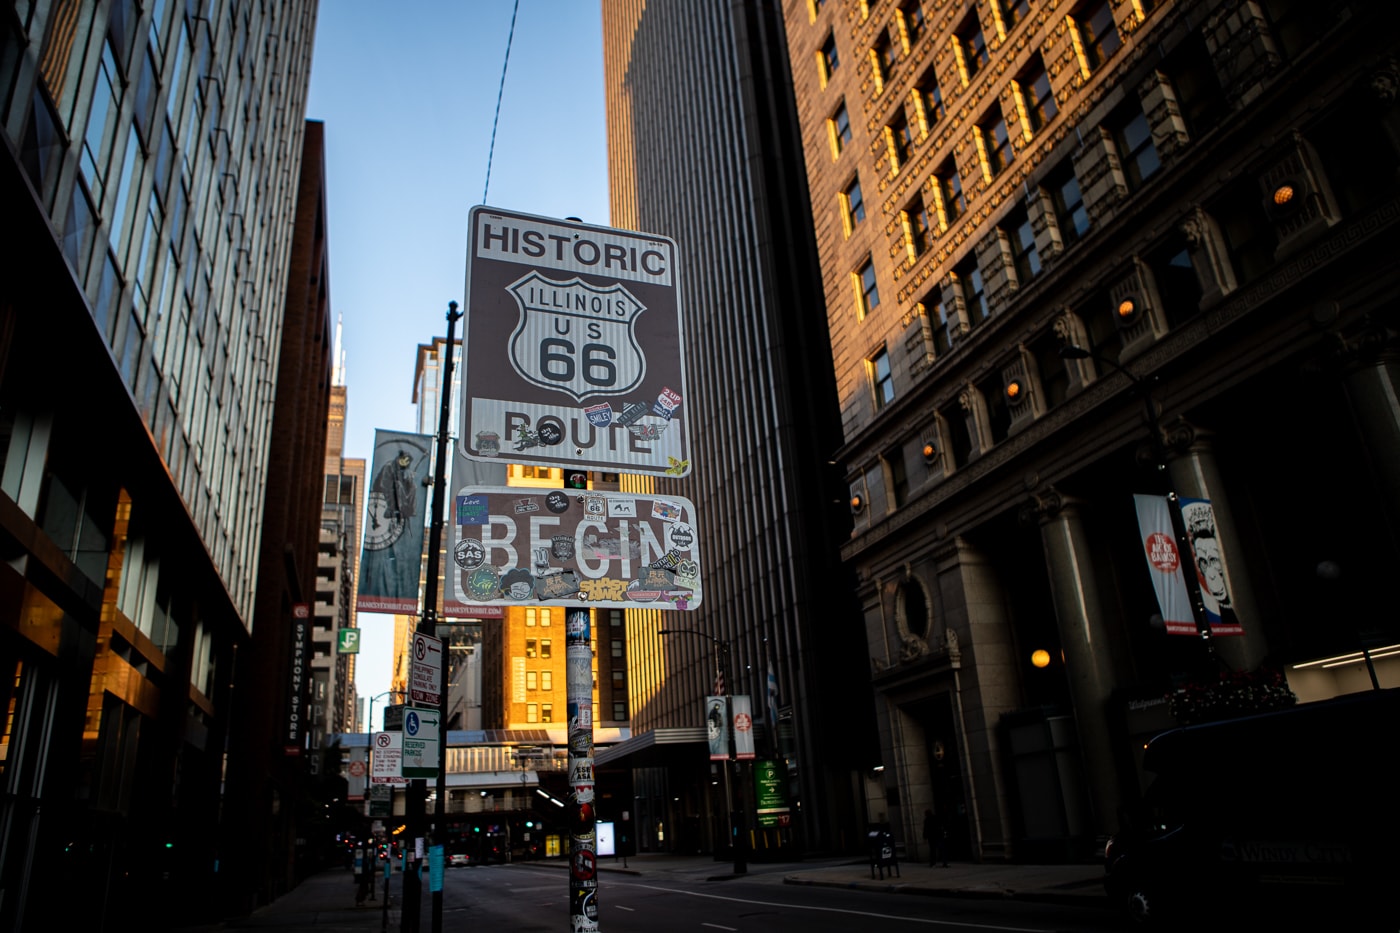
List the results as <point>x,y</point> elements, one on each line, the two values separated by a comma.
<point>1291,815</point>
<point>459,859</point>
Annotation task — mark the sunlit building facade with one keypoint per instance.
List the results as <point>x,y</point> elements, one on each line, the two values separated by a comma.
<point>703,148</point>
<point>149,176</point>
<point>1074,253</point>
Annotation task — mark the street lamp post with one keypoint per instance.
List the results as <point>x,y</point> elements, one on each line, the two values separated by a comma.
<point>736,820</point>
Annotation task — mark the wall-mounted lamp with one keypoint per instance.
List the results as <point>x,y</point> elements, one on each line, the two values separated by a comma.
<point>857,503</point>
<point>930,452</point>
<point>1015,391</point>
<point>1040,658</point>
<point>1127,310</point>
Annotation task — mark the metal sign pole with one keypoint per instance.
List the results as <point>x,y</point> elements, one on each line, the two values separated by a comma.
<point>583,837</point>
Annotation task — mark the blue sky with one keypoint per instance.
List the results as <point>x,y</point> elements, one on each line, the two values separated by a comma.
<point>408,96</point>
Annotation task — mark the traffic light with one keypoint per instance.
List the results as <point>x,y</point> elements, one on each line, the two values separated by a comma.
<point>575,479</point>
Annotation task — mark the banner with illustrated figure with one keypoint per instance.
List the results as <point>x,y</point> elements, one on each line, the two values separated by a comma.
<point>1198,518</point>
<point>391,559</point>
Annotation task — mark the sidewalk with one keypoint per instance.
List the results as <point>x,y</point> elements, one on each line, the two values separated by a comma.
<point>326,901</point>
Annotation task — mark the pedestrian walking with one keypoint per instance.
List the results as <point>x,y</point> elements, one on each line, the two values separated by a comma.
<point>936,836</point>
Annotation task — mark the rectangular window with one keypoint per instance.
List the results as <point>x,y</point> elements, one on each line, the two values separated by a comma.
<point>617,679</point>
<point>1036,99</point>
<point>899,140</point>
<point>881,379</point>
<point>899,476</point>
<point>972,48</point>
<point>546,712</point>
<point>974,297</point>
<point>839,129</point>
<point>1098,34</point>
<point>532,712</point>
<point>882,59</point>
<point>852,206</point>
<point>950,196</point>
<point>910,16</point>
<point>996,145</point>
<point>867,291</point>
<point>1136,152</point>
<point>1070,215</point>
<point>545,616</point>
<point>531,648</point>
<point>615,648</point>
<point>619,711</point>
<point>531,680</point>
<point>546,680</point>
<point>930,100</point>
<point>827,60</point>
<point>1013,11</point>
<point>1023,253</point>
<point>615,618</point>
<point>101,125</point>
<point>546,648</point>
<point>938,323</point>
<point>918,234</point>
<point>531,617</point>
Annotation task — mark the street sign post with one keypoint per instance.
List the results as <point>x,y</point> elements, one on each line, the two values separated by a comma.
<point>572,347</point>
<point>421,735</point>
<point>387,759</point>
<point>425,670</point>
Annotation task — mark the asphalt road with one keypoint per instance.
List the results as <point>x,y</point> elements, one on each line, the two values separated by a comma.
<point>524,898</point>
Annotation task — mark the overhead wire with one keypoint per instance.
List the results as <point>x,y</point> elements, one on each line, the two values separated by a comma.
<point>499,93</point>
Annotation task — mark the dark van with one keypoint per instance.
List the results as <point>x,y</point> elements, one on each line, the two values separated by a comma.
<point>1289,817</point>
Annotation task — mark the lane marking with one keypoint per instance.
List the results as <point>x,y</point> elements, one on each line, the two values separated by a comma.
<point>962,924</point>
<point>628,909</point>
<point>718,927</point>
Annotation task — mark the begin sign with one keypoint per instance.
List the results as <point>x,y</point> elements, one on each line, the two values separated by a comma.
<point>580,548</point>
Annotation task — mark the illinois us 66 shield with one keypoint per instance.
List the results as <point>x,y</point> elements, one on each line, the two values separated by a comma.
<point>572,347</point>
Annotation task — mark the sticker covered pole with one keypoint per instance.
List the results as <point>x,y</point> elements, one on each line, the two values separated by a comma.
<point>583,838</point>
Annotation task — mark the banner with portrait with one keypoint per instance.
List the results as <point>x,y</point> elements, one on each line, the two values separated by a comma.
<point>391,556</point>
<point>1198,518</point>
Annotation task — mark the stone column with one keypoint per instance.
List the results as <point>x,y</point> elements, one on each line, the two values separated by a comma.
<point>1372,381</point>
<point>1196,475</point>
<point>1084,639</point>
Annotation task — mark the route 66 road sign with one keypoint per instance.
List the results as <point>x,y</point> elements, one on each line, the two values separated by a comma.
<point>573,350</point>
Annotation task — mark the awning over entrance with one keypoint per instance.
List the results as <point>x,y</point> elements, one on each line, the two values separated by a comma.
<point>656,747</point>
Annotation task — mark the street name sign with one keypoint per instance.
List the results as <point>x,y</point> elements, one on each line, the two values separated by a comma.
<point>425,670</point>
<point>572,347</point>
<point>421,737</point>
<point>519,545</point>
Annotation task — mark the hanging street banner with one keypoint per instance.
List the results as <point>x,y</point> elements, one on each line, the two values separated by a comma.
<point>572,347</point>
<point>520,545</point>
<point>1164,564</point>
<point>391,561</point>
<point>1212,572</point>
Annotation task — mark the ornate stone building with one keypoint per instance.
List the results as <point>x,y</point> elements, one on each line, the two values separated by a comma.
<point>1074,252</point>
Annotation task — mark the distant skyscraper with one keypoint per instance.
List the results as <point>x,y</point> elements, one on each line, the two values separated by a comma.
<point>704,148</point>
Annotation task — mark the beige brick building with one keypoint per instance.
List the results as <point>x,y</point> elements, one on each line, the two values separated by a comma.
<point>1190,197</point>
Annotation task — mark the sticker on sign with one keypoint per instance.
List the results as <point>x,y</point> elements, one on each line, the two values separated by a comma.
<point>573,346</point>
